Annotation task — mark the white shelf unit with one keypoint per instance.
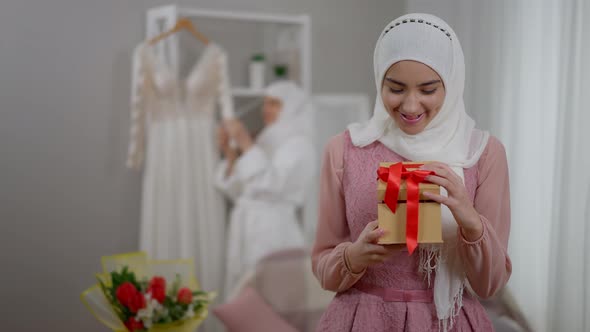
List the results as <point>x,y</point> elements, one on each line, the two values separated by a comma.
<point>160,19</point>
<point>247,92</point>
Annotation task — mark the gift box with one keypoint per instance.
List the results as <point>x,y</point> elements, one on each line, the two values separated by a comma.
<point>403,211</point>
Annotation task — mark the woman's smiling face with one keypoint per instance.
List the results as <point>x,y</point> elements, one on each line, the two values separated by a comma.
<point>413,93</point>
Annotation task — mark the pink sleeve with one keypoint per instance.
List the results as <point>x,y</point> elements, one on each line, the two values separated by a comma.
<point>486,260</point>
<point>333,234</point>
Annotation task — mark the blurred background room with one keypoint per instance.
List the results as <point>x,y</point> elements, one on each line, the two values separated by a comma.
<point>81,179</point>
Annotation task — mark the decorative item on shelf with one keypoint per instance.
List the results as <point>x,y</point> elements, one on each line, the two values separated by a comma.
<point>257,71</point>
<point>281,71</point>
<point>286,56</point>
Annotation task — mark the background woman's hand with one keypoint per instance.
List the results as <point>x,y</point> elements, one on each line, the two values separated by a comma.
<point>365,251</point>
<point>223,144</point>
<point>238,132</point>
<point>457,201</point>
<point>222,138</point>
<point>230,154</point>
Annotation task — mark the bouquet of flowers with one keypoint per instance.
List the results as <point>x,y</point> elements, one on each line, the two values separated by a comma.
<point>137,294</point>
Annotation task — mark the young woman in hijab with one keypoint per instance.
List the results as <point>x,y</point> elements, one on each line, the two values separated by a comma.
<point>419,115</point>
<point>268,181</point>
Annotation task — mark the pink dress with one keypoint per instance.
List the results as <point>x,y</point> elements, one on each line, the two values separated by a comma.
<point>348,203</point>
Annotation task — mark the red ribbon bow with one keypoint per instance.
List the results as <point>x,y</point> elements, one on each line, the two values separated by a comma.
<point>393,176</point>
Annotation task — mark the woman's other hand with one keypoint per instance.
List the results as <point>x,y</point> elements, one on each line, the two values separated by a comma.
<point>457,201</point>
<point>366,251</point>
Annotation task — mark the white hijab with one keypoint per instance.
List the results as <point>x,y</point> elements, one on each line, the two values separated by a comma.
<point>450,137</point>
<point>295,118</point>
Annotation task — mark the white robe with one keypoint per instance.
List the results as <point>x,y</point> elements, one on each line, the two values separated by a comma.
<point>266,190</point>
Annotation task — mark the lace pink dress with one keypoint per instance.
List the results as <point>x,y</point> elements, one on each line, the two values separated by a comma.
<point>393,296</point>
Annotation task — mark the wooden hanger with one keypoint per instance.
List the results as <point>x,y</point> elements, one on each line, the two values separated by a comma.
<point>182,23</point>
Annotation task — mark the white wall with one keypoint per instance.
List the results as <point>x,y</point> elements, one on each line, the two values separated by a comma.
<point>65,196</point>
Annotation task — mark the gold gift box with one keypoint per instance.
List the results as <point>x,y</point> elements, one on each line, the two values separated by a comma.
<point>429,218</point>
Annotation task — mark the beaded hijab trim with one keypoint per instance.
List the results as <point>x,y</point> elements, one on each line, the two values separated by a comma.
<point>413,20</point>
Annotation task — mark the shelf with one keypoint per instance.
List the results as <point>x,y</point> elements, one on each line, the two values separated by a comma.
<point>247,92</point>
<point>245,16</point>
<point>241,34</point>
<point>162,18</point>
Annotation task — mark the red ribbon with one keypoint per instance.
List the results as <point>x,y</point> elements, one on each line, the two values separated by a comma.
<point>393,176</point>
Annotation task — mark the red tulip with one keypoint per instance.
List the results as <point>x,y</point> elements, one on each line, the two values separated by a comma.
<point>132,325</point>
<point>130,297</point>
<point>125,292</point>
<point>185,296</point>
<point>157,288</point>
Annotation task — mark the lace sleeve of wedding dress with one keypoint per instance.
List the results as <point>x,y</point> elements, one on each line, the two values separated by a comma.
<point>136,149</point>
<point>230,185</point>
<point>225,97</point>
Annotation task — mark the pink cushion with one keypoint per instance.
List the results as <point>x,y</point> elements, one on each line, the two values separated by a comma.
<point>248,312</point>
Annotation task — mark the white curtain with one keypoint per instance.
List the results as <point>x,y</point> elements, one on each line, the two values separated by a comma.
<point>523,114</point>
<point>569,304</point>
<point>526,79</point>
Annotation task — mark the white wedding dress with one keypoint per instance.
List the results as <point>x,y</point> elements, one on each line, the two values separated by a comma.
<point>173,121</point>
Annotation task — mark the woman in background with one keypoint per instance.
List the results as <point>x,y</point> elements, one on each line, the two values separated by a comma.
<point>266,179</point>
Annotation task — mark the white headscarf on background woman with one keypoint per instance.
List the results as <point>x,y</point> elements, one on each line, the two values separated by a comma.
<point>450,137</point>
<point>295,118</point>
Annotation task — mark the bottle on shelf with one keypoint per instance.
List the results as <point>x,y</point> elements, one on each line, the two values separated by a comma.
<point>286,57</point>
<point>257,71</point>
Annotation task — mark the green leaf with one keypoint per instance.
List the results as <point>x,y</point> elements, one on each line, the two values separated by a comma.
<point>111,297</point>
<point>118,278</point>
<point>175,286</point>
